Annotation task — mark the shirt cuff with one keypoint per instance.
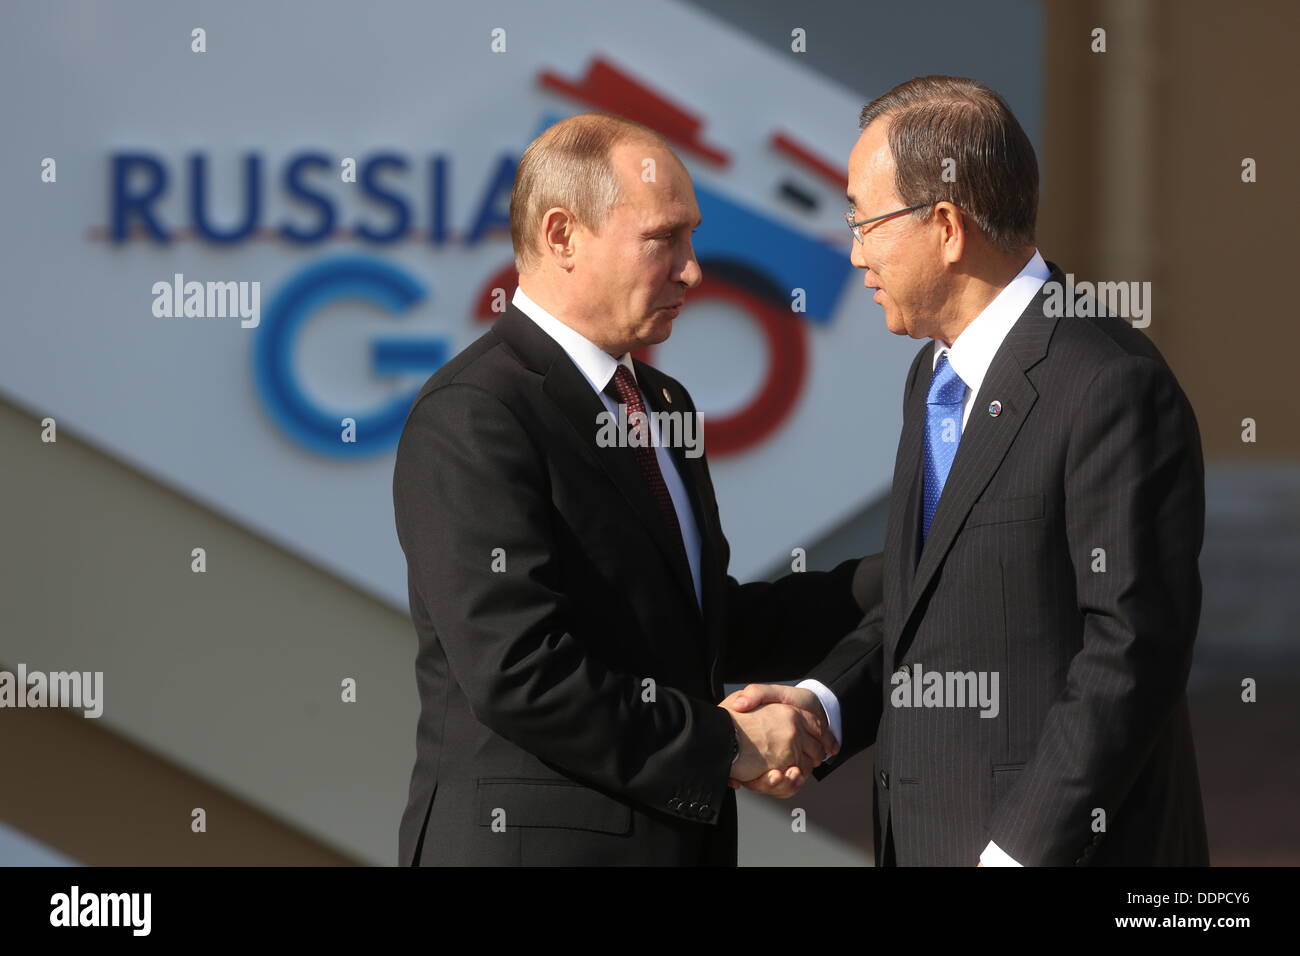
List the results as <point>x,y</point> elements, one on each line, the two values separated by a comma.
<point>830,704</point>
<point>994,856</point>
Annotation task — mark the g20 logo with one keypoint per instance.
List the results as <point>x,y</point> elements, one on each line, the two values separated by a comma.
<point>299,416</point>
<point>376,430</point>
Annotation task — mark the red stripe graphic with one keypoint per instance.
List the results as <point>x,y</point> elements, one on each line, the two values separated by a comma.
<point>611,90</point>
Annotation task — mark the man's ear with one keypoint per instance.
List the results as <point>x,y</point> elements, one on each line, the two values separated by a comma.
<point>558,236</point>
<point>953,230</point>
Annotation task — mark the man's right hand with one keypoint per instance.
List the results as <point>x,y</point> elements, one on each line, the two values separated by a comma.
<point>783,735</point>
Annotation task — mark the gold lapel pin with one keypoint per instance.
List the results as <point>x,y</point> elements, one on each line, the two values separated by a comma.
<point>667,398</point>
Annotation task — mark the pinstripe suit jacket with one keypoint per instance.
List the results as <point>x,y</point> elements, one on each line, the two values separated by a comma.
<point>1062,557</point>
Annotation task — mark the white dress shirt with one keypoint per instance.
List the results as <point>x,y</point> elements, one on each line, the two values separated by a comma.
<point>597,367</point>
<point>970,356</point>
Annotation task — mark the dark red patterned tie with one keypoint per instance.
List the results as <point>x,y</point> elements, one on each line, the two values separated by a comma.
<point>622,388</point>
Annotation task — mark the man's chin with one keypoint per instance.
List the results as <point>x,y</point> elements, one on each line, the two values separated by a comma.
<point>657,331</point>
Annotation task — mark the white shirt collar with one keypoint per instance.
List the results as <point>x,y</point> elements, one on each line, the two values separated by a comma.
<point>595,364</point>
<point>972,351</point>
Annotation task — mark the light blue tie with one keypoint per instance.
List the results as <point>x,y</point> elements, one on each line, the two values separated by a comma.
<point>943,405</point>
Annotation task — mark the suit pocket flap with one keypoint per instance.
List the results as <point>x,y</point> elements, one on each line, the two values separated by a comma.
<point>1004,778</point>
<point>1000,511</point>
<point>550,803</point>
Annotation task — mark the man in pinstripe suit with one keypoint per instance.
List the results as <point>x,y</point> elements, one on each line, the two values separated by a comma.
<point>1025,681</point>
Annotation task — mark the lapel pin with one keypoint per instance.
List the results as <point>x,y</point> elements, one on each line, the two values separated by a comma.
<point>667,398</point>
<point>995,409</point>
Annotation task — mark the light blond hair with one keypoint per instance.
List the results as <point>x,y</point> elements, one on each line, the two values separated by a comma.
<point>569,166</point>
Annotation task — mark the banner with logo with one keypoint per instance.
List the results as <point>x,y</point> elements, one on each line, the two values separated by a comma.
<point>233,263</point>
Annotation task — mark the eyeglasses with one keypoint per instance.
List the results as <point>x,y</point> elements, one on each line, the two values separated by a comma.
<point>856,227</point>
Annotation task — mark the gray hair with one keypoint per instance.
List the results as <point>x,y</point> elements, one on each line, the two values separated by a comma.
<point>568,166</point>
<point>934,118</point>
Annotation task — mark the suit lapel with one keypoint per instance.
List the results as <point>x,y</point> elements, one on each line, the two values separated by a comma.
<point>566,386</point>
<point>664,395</point>
<point>901,532</point>
<point>985,440</point>
<point>660,398</point>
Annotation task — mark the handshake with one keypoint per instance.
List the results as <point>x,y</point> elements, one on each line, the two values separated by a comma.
<point>783,734</point>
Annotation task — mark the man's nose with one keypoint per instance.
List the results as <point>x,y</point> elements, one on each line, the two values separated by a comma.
<point>856,256</point>
<point>691,274</point>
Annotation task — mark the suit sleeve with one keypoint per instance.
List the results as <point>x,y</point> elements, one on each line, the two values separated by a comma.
<point>854,669</point>
<point>778,630</point>
<point>469,481</point>
<point>1134,487</point>
<point>854,672</point>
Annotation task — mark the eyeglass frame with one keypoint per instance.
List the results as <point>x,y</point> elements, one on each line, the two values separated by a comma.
<point>855,226</point>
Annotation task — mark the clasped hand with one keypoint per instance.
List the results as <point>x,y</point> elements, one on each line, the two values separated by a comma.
<point>783,735</point>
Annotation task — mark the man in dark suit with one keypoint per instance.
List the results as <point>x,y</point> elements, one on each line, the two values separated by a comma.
<point>1025,682</point>
<point>575,617</point>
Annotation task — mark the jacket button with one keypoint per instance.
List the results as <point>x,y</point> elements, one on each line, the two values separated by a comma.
<point>674,803</point>
<point>884,779</point>
<point>903,674</point>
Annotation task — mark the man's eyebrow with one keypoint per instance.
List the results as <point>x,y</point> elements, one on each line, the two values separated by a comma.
<point>675,225</point>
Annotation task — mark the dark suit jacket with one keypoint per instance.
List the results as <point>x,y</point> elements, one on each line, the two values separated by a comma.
<point>1095,454</point>
<point>535,706</point>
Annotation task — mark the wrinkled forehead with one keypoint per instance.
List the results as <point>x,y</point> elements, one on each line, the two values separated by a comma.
<point>871,169</point>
